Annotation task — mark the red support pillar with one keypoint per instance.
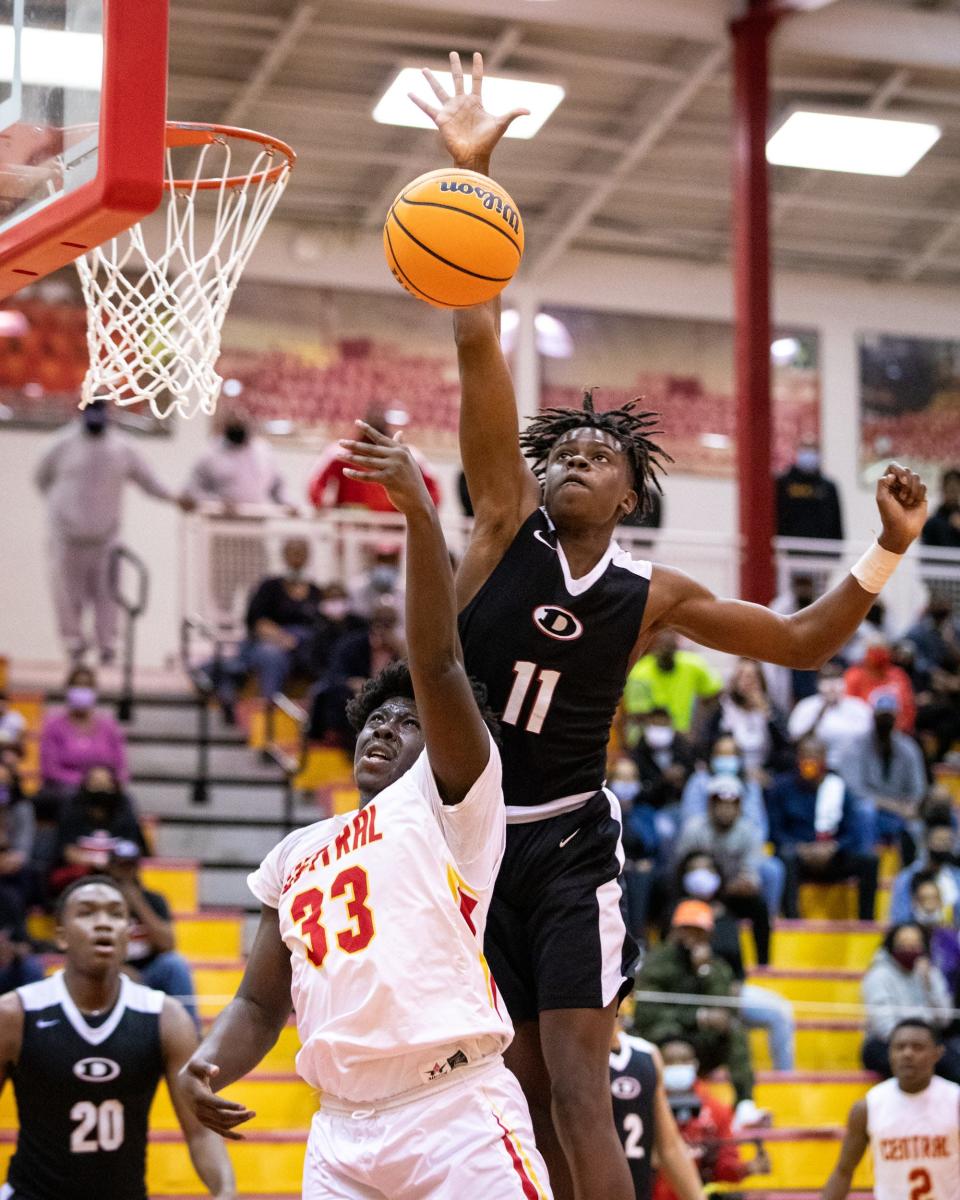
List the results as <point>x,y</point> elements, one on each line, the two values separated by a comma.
<point>751,215</point>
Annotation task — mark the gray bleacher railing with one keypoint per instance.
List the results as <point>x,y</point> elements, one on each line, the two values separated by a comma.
<point>133,605</point>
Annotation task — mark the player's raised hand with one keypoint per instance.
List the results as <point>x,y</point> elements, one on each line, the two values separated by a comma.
<point>468,132</point>
<point>385,460</point>
<point>212,1111</point>
<point>902,501</point>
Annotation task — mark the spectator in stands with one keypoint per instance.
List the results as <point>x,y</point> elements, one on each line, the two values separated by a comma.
<point>641,841</point>
<point>756,725</point>
<point>738,849</point>
<point>943,527</point>
<point>337,619</point>
<point>901,981</point>
<point>686,965</point>
<point>17,831</point>
<point>356,658</point>
<point>939,854</point>
<point>815,829</point>
<point>724,758</point>
<point>928,911</point>
<point>99,816</point>
<point>937,636</point>
<point>672,679</point>
<point>150,945</point>
<point>705,1122</point>
<point>877,674</point>
<point>238,467</point>
<point>78,737</point>
<point>331,488</point>
<point>884,770</point>
<point>18,963</point>
<point>790,685</point>
<point>282,617</point>
<point>664,759</point>
<point>699,875</point>
<point>808,504</point>
<point>381,581</point>
<point>13,729</point>
<point>82,476</point>
<point>831,715</point>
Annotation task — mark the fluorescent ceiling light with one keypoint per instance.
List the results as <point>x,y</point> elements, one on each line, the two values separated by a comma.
<point>499,96</point>
<point>552,336</point>
<point>824,141</point>
<point>54,58</point>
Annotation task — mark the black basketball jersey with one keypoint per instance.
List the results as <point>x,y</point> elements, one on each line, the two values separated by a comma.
<point>83,1094</point>
<point>554,652</point>
<point>633,1083</point>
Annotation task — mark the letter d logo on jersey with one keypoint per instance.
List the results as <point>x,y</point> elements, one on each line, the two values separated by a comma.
<point>96,1070</point>
<point>557,623</point>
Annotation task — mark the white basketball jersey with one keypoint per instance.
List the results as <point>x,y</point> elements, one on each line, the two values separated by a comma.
<point>383,911</point>
<point>915,1141</point>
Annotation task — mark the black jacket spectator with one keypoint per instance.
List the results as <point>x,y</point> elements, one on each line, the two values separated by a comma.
<point>943,528</point>
<point>272,601</point>
<point>808,505</point>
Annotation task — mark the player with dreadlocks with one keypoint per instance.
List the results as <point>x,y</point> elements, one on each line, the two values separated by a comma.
<point>552,615</point>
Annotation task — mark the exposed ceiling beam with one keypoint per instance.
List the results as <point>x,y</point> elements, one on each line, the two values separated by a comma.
<point>281,47</point>
<point>932,250</point>
<point>198,15</point>
<point>639,148</point>
<point>418,162</point>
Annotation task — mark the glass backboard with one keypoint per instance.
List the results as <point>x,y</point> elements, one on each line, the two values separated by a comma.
<point>82,113</point>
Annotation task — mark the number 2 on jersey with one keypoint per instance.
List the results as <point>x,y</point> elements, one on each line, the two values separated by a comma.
<point>633,1136</point>
<point>99,1126</point>
<point>923,1188</point>
<point>524,675</point>
<point>307,908</point>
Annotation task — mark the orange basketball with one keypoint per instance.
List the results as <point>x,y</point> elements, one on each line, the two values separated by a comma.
<point>453,238</point>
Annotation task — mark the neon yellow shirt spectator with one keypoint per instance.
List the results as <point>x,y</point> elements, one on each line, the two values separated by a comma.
<point>677,687</point>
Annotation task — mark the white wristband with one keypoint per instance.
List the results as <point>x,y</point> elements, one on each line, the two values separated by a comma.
<point>874,568</point>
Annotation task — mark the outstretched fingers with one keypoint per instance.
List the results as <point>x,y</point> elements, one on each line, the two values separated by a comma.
<point>476,77</point>
<point>456,70</point>
<point>424,106</point>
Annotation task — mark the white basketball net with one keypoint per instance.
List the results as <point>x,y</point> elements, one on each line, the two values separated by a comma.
<point>154,333</point>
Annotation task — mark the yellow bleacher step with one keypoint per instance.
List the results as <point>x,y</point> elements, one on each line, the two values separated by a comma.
<point>837,902</point>
<point>817,944</point>
<point>210,935</point>
<point>806,1098</point>
<point>818,1048</point>
<point>175,879</point>
<point>281,1102</point>
<point>265,1166</point>
<point>215,986</point>
<point>828,988</point>
<point>806,1164</point>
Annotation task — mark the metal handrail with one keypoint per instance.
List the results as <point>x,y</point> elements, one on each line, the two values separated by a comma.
<point>290,764</point>
<point>133,608</point>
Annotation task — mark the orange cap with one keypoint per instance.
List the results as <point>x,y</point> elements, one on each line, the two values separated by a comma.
<point>693,914</point>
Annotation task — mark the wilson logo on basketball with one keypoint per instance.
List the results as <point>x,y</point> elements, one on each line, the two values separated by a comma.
<point>625,1087</point>
<point>490,201</point>
<point>96,1070</point>
<point>557,623</point>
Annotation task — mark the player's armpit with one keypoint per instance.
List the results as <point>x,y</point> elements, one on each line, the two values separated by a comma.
<point>802,641</point>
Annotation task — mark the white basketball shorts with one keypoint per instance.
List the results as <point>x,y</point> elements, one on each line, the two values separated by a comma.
<point>469,1139</point>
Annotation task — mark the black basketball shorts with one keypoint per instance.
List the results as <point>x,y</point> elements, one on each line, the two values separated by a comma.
<point>556,937</point>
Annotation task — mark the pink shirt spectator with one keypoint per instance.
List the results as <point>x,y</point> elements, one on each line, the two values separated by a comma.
<point>68,751</point>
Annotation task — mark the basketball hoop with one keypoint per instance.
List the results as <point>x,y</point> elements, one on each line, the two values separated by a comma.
<point>155,313</point>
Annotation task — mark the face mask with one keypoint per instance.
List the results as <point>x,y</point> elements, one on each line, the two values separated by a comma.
<point>335,610</point>
<point>679,1077</point>
<point>725,764</point>
<point>294,574</point>
<point>941,613</point>
<point>884,723</point>
<point>94,424</point>
<point>929,919</point>
<point>658,737</point>
<point>808,460</point>
<point>625,790</point>
<point>81,699</point>
<point>702,883</point>
<point>383,578</point>
<point>940,858</point>
<point>236,434</point>
<point>907,958</point>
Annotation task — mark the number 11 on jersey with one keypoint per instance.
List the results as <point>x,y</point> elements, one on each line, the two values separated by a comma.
<point>525,675</point>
